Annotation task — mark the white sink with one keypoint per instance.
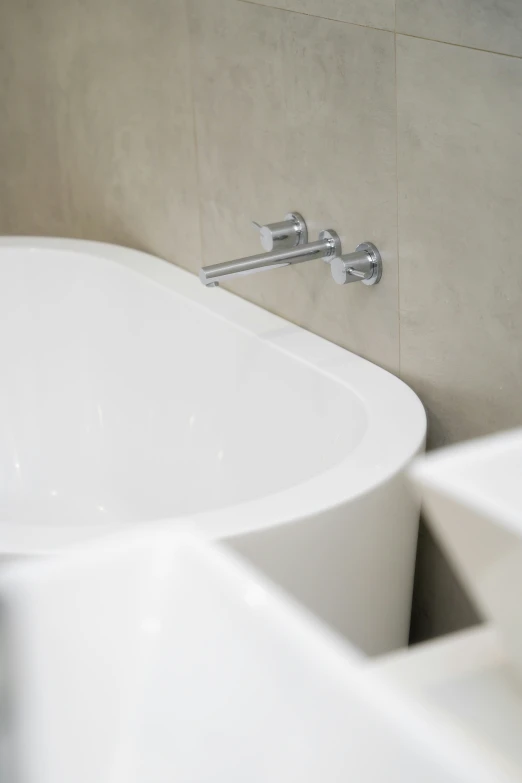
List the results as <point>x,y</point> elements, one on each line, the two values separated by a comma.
<point>473,497</point>
<point>468,680</point>
<point>154,657</point>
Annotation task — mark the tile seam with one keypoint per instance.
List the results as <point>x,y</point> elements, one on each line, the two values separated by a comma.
<point>382,29</point>
<point>315,16</point>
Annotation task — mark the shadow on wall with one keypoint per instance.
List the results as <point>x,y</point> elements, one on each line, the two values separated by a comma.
<point>440,601</point>
<point>86,214</point>
<point>464,407</point>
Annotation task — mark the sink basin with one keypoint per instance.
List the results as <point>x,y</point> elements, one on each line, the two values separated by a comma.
<point>154,657</point>
<point>468,679</point>
<point>473,496</point>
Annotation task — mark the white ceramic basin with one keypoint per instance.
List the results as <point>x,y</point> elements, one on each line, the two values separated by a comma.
<point>151,658</point>
<point>130,394</point>
<point>473,496</point>
<point>468,681</point>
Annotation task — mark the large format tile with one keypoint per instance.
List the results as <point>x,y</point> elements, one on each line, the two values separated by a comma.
<point>295,112</point>
<point>377,13</point>
<point>460,191</point>
<point>485,24</point>
<point>97,134</point>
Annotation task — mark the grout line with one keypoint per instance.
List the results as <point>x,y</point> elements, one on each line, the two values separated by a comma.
<point>194,130</point>
<point>460,46</point>
<point>383,29</point>
<point>314,16</point>
<point>397,238</point>
<point>397,210</point>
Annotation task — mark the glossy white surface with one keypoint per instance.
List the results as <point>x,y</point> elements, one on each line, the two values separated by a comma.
<point>473,496</point>
<point>132,394</point>
<point>467,680</point>
<point>154,657</point>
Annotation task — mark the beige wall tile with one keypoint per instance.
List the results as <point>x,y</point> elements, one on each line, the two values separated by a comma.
<point>460,151</point>
<point>377,13</point>
<point>97,137</point>
<point>495,25</point>
<point>295,112</point>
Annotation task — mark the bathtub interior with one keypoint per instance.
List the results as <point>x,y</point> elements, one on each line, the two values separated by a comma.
<point>122,401</point>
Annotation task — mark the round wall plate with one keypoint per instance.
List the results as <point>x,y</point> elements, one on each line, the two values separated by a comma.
<point>334,237</point>
<point>300,222</point>
<point>369,247</point>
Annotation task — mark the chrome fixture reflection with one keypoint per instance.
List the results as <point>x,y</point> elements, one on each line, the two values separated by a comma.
<point>287,243</point>
<point>291,232</point>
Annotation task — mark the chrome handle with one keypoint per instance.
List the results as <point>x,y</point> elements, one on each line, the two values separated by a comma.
<point>287,243</point>
<point>364,265</point>
<point>290,232</point>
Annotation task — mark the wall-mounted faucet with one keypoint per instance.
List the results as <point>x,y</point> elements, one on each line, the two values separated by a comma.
<point>287,243</point>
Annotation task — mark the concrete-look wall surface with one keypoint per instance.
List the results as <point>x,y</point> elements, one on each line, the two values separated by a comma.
<point>168,125</point>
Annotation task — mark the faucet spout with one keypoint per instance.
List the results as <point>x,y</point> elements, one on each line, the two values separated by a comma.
<point>290,240</point>
<point>211,275</point>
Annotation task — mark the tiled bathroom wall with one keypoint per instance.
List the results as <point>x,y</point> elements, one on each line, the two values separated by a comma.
<point>169,125</point>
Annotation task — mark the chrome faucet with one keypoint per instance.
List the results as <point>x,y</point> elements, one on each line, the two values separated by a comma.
<point>287,243</point>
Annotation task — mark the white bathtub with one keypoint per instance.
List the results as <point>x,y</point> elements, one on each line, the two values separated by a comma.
<point>131,394</point>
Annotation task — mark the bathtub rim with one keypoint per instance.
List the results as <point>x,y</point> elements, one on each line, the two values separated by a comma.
<point>396,430</point>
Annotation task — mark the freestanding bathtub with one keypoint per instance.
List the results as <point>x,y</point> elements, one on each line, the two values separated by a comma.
<point>132,394</point>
